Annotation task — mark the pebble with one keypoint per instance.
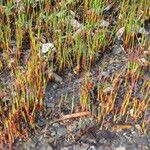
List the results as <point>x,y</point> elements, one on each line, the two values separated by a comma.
<point>92,148</point>
<point>61,131</point>
<point>117,49</point>
<point>47,46</point>
<point>138,127</point>
<point>120,148</point>
<point>57,78</point>
<point>104,23</point>
<point>53,132</point>
<point>83,146</point>
<point>55,86</point>
<point>56,125</point>
<point>43,146</point>
<point>41,122</point>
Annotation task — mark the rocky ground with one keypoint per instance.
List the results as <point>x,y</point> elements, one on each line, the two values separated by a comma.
<point>83,133</point>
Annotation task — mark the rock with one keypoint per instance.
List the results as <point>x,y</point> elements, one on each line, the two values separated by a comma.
<point>61,130</point>
<point>83,146</point>
<point>138,127</point>
<point>117,49</point>
<point>55,86</point>
<point>105,74</point>
<point>92,148</point>
<point>120,148</point>
<point>57,78</point>
<point>104,23</point>
<point>53,132</point>
<point>65,148</point>
<point>76,25</point>
<point>41,122</point>
<point>48,46</point>
<point>141,141</point>
<point>43,146</point>
<point>56,125</point>
<point>28,145</point>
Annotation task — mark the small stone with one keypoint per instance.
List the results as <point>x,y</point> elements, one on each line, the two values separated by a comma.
<point>117,49</point>
<point>104,23</point>
<point>53,132</point>
<point>70,74</point>
<point>47,46</point>
<point>121,148</point>
<point>55,86</point>
<point>65,148</point>
<point>57,78</point>
<point>83,146</point>
<point>56,125</point>
<point>41,122</point>
<point>105,74</point>
<point>131,112</point>
<point>61,131</point>
<point>138,127</point>
<point>43,146</point>
<point>92,148</point>
<point>75,24</point>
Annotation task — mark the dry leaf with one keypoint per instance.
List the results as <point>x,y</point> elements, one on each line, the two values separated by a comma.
<point>75,24</point>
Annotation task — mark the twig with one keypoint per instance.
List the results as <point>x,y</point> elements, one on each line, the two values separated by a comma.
<point>71,116</point>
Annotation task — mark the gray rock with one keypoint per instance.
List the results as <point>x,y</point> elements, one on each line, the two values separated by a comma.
<point>56,125</point>
<point>117,49</point>
<point>81,147</point>
<point>61,130</point>
<point>43,146</point>
<point>55,86</point>
<point>41,122</point>
<point>104,23</point>
<point>30,144</point>
<point>120,148</point>
<point>53,132</point>
<point>57,78</point>
<point>48,46</point>
<point>92,148</point>
<point>64,148</point>
<point>141,140</point>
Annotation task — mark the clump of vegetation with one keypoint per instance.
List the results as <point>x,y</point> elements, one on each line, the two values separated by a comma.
<point>77,31</point>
